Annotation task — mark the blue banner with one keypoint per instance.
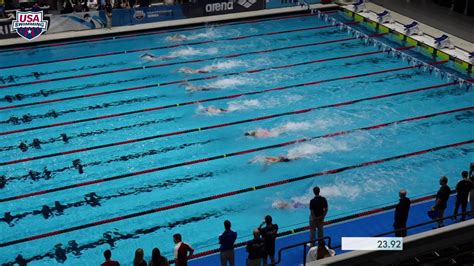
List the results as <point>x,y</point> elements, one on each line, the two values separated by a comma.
<point>152,14</point>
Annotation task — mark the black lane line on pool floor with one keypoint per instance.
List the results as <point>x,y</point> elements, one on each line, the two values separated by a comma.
<point>46,93</point>
<point>149,66</point>
<point>28,118</point>
<point>232,193</point>
<point>159,32</point>
<point>94,200</point>
<point>178,45</point>
<point>213,77</point>
<point>202,160</point>
<point>49,173</point>
<point>224,124</point>
<point>68,137</point>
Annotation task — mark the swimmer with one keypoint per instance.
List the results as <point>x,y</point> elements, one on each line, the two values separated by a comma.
<point>47,173</point>
<point>283,204</point>
<point>65,138</point>
<point>149,57</point>
<point>271,159</point>
<point>259,133</point>
<point>212,110</point>
<point>188,70</point>
<point>9,98</point>
<point>192,88</point>
<point>3,181</point>
<point>176,38</point>
<point>33,175</point>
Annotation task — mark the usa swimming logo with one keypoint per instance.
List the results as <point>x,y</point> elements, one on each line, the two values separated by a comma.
<point>29,25</point>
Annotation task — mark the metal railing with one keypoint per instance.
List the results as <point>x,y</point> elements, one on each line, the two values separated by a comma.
<point>304,244</point>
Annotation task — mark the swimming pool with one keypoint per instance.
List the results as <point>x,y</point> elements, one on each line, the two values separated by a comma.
<point>353,120</point>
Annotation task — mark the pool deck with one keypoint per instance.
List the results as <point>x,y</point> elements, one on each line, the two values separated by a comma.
<point>158,25</point>
<point>366,226</point>
<point>463,47</point>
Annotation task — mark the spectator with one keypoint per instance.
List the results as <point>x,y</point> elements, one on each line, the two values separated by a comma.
<point>462,188</point>
<point>181,251</point>
<point>36,7</point>
<point>77,7</point>
<point>108,11</point>
<point>139,260</point>
<point>68,7</point>
<point>108,261</point>
<point>319,208</point>
<point>401,214</point>
<point>144,3</point>
<point>157,259</point>
<point>441,200</point>
<point>256,249</point>
<point>117,4</point>
<point>227,240</point>
<point>125,4</point>
<point>132,3</point>
<point>92,4</point>
<point>269,234</point>
<point>471,193</point>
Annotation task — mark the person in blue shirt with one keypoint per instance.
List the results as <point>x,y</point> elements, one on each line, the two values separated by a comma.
<point>227,240</point>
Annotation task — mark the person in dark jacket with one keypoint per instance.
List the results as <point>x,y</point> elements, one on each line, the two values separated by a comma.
<point>318,207</point>
<point>442,198</point>
<point>462,188</point>
<point>401,214</point>
<point>269,234</point>
<point>256,249</point>
<point>227,240</point>
<point>108,260</point>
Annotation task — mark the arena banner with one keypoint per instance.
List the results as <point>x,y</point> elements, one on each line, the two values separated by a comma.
<point>5,29</point>
<point>78,21</point>
<point>152,14</point>
<point>219,7</point>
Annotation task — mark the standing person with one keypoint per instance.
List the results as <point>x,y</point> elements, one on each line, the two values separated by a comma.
<point>401,214</point>
<point>318,207</point>
<point>227,240</point>
<point>269,234</point>
<point>471,193</point>
<point>108,11</point>
<point>108,261</point>
<point>157,259</point>
<point>462,188</point>
<point>181,251</point>
<point>139,258</point>
<point>256,249</point>
<point>441,200</point>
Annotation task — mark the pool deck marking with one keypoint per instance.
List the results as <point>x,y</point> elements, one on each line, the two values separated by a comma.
<point>184,81</point>
<point>119,143</point>
<point>161,168</point>
<point>241,191</point>
<point>182,62</point>
<point>172,46</point>
<point>128,69</point>
<point>124,36</point>
<point>329,222</point>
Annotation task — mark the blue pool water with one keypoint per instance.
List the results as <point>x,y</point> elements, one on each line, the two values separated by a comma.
<point>94,120</point>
